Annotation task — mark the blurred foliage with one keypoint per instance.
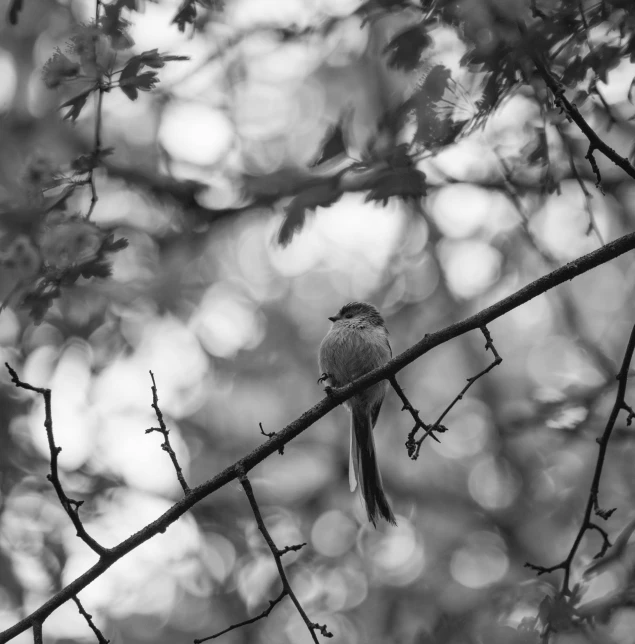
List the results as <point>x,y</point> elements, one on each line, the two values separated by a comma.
<point>224,176</point>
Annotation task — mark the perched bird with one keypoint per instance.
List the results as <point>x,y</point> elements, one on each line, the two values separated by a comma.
<point>356,344</point>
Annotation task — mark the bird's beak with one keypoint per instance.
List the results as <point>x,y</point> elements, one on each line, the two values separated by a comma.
<point>333,318</point>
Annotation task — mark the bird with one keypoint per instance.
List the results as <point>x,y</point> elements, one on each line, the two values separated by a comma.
<point>357,343</point>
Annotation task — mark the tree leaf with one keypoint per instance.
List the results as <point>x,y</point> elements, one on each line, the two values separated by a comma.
<point>115,27</point>
<point>186,15</point>
<point>324,195</point>
<point>435,83</point>
<point>332,145</point>
<point>130,91</point>
<point>76,104</point>
<point>405,49</point>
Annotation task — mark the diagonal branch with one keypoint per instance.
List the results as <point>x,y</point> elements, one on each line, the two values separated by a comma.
<point>307,419</point>
<point>592,505</point>
<point>277,555</point>
<point>407,406</point>
<point>595,142</point>
<point>265,613</point>
<point>89,620</point>
<point>162,429</point>
<point>414,446</point>
<point>71,506</point>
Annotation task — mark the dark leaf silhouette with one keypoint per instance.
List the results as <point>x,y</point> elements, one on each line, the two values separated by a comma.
<point>405,49</point>
<point>76,104</point>
<point>324,195</point>
<point>115,27</point>
<point>332,146</point>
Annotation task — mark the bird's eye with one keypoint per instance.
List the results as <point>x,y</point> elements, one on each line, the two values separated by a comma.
<point>348,315</point>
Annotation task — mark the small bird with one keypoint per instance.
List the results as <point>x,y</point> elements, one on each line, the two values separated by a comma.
<point>356,344</point>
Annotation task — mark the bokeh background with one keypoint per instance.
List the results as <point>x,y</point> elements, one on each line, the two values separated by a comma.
<point>230,322</point>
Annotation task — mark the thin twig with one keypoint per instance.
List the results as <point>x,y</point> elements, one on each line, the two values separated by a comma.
<point>162,429</point>
<point>407,406</point>
<point>593,227</point>
<point>270,435</point>
<point>71,506</point>
<point>592,505</point>
<point>265,613</point>
<point>94,198</point>
<point>311,416</point>
<point>277,555</point>
<point>89,620</point>
<point>414,446</point>
<point>571,316</point>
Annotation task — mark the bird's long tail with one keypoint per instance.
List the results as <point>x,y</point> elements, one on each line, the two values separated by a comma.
<point>363,468</point>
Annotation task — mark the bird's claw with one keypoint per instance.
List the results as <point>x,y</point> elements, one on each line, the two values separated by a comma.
<point>323,378</point>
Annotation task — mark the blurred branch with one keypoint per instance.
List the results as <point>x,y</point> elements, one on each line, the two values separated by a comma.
<point>162,429</point>
<point>277,555</point>
<point>307,419</point>
<point>414,447</point>
<point>97,149</point>
<point>587,195</point>
<point>592,502</point>
<point>595,142</point>
<point>71,506</point>
<point>571,317</point>
<point>182,193</point>
<point>89,619</point>
<point>15,7</point>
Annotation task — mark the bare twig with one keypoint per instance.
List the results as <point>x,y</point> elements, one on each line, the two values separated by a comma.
<point>96,153</point>
<point>414,446</point>
<point>592,505</point>
<point>587,195</point>
<point>162,429</point>
<point>307,419</point>
<point>407,406</point>
<point>265,613</point>
<point>277,555</point>
<point>571,317</point>
<point>271,435</point>
<point>71,506</point>
<point>89,620</point>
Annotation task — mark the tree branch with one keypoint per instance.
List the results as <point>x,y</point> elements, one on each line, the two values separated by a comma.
<point>277,555</point>
<point>37,632</point>
<point>162,429</point>
<point>414,447</point>
<point>592,502</point>
<point>311,416</point>
<point>97,149</point>
<point>71,506</point>
<point>407,406</point>
<point>89,619</point>
<point>265,613</point>
<point>595,142</point>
